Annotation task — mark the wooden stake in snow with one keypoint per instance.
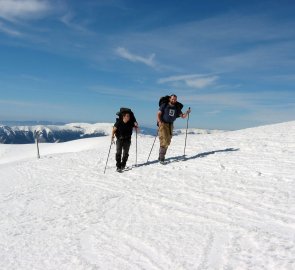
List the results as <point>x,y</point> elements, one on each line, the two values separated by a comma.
<point>37,134</point>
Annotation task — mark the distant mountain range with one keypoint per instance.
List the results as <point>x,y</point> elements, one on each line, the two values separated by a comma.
<point>52,133</point>
<point>23,134</point>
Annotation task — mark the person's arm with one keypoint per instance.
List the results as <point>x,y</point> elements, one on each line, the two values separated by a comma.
<point>159,117</point>
<point>136,126</point>
<point>113,133</point>
<point>184,115</point>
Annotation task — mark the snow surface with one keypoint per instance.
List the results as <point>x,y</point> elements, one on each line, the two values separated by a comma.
<point>229,205</point>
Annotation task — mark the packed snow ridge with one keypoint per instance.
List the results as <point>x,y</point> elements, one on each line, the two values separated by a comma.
<point>229,204</point>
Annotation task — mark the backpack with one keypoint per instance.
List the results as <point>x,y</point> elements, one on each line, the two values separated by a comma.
<point>165,100</point>
<point>123,110</point>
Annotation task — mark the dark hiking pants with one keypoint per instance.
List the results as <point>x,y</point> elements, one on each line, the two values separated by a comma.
<point>122,145</point>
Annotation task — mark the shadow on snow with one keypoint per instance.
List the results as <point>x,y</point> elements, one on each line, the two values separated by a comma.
<point>185,158</point>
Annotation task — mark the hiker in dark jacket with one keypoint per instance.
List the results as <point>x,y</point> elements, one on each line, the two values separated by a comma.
<point>167,114</point>
<point>123,131</point>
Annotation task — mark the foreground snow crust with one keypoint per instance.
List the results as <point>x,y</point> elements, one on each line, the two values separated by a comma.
<point>229,205</point>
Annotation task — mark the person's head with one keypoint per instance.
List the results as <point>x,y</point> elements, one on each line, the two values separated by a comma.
<point>173,99</point>
<point>126,117</point>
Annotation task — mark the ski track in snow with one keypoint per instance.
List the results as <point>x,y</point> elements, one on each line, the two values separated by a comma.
<point>229,205</point>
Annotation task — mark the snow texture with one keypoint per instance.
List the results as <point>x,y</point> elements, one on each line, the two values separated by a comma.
<point>230,204</point>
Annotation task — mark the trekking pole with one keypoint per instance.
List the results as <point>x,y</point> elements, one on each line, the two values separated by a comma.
<point>186,132</point>
<point>136,148</point>
<point>153,145</point>
<point>108,157</point>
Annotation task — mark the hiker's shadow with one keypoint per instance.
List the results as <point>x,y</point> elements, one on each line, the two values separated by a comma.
<point>185,158</point>
<point>201,155</point>
<point>147,163</point>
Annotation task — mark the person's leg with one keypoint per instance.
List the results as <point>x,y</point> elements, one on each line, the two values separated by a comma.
<point>162,153</point>
<point>165,139</point>
<point>119,146</point>
<point>126,147</point>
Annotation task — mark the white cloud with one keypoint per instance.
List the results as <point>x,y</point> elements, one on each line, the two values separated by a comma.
<point>243,100</point>
<point>224,43</point>
<point>9,31</point>
<point>13,10</point>
<point>179,78</point>
<point>69,20</point>
<point>193,80</point>
<point>124,53</point>
<point>201,82</point>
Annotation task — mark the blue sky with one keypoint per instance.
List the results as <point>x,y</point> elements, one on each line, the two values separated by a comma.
<point>232,62</point>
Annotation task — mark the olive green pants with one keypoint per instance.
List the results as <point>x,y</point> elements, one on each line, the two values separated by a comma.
<point>165,134</point>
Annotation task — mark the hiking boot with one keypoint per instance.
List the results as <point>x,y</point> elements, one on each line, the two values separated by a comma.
<point>161,159</point>
<point>162,153</point>
<point>124,161</point>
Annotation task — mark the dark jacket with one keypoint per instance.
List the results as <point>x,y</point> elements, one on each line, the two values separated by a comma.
<point>124,130</point>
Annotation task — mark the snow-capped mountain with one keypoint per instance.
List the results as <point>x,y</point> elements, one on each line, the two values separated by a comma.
<point>73,131</point>
<point>52,133</point>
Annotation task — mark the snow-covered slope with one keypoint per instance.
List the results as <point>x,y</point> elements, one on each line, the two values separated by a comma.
<point>229,205</point>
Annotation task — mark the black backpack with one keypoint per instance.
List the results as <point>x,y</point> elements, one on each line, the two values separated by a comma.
<point>165,100</point>
<point>125,110</point>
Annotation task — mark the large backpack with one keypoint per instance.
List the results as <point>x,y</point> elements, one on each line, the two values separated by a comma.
<point>125,110</point>
<point>165,100</point>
